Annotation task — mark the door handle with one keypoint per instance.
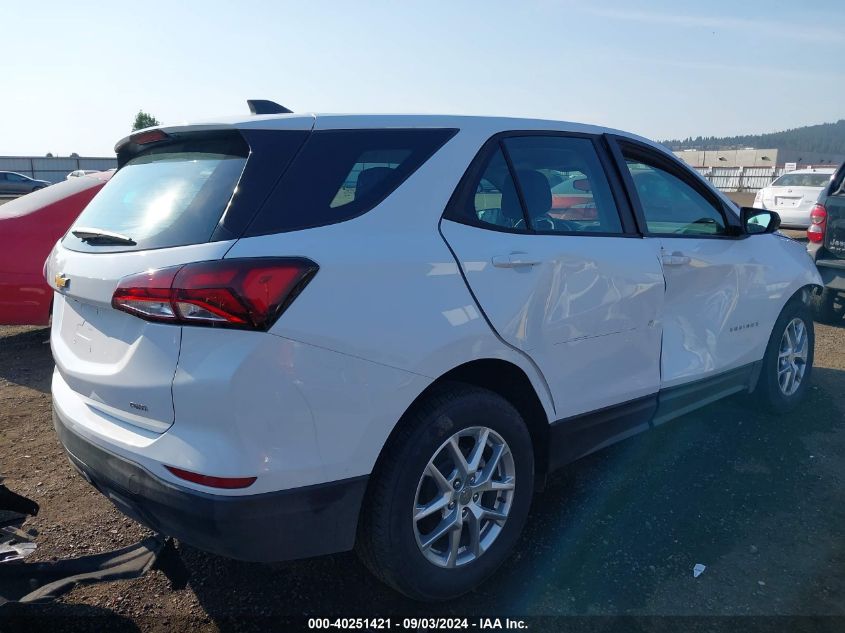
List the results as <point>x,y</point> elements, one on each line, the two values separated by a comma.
<point>675,259</point>
<point>514,260</point>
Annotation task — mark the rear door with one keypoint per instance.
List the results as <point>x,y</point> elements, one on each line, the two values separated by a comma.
<point>581,297</point>
<point>171,203</point>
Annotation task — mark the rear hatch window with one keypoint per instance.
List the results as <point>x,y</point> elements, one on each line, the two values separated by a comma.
<point>171,195</point>
<point>802,180</point>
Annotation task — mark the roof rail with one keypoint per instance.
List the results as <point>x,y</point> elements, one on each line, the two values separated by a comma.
<point>263,106</point>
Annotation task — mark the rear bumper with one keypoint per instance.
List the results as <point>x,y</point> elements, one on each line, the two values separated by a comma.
<point>794,218</point>
<point>272,526</point>
<point>832,272</point>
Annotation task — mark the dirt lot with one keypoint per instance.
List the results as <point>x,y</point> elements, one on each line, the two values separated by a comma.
<point>759,500</point>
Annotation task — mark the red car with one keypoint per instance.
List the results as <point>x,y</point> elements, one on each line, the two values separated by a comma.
<point>29,227</point>
<point>572,199</point>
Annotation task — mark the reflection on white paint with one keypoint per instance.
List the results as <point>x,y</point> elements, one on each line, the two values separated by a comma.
<point>459,316</point>
<point>451,268</point>
<point>775,290</point>
<point>446,268</point>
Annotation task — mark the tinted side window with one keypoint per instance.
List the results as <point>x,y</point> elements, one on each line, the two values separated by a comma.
<point>670,205</point>
<point>495,201</point>
<point>563,184</point>
<point>341,174</point>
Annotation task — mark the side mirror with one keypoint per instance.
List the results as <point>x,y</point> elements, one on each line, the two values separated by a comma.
<point>582,184</point>
<point>755,221</point>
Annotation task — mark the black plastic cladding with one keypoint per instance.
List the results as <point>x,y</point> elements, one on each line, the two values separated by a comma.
<point>271,153</point>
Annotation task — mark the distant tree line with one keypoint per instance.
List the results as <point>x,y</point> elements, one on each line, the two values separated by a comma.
<point>826,138</point>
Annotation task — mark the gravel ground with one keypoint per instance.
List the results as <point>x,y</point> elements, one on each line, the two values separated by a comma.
<point>757,499</point>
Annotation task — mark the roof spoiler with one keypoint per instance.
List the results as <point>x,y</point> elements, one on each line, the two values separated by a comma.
<point>263,106</point>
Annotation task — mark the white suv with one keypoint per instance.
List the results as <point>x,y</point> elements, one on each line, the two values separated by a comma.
<point>288,335</point>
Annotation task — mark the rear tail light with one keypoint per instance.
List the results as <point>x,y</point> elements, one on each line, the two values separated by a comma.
<point>818,224</point>
<point>229,483</point>
<point>236,293</point>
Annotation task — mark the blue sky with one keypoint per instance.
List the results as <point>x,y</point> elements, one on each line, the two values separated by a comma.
<point>75,73</point>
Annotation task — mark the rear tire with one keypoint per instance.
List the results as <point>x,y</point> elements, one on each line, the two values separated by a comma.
<point>823,305</point>
<point>788,362</point>
<point>480,510</point>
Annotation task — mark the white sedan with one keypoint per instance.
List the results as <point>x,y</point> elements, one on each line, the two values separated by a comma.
<point>793,195</point>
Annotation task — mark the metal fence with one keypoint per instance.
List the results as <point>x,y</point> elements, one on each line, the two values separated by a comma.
<point>53,169</point>
<point>743,178</point>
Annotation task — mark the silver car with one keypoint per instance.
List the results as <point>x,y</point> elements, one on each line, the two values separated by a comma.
<point>13,183</point>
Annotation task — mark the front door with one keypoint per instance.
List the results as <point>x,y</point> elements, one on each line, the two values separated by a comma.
<point>716,291</point>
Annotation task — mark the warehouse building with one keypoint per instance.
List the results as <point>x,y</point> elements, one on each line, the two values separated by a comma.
<point>778,158</point>
<point>752,169</point>
<point>54,168</point>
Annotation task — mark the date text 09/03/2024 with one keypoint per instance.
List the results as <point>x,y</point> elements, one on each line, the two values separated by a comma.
<point>414,624</point>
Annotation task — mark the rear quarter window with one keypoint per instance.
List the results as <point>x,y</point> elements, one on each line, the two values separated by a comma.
<point>341,174</point>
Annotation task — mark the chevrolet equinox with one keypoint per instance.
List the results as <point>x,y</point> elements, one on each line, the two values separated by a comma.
<point>286,335</point>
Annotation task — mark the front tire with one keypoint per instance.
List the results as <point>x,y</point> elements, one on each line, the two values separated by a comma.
<point>450,496</point>
<point>788,363</point>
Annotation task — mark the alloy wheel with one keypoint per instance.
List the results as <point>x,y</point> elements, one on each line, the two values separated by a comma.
<point>792,356</point>
<point>463,497</point>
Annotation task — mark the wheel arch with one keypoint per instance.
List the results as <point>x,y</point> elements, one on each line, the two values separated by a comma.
<point>503,378</point>
<point>804,293</point>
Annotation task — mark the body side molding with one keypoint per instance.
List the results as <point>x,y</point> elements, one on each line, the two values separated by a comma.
<point>578,436</point>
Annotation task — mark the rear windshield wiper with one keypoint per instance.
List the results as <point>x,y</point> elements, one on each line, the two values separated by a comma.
<point>101,236</point>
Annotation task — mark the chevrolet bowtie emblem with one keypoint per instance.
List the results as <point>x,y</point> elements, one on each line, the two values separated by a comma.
<point>62,281</point>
